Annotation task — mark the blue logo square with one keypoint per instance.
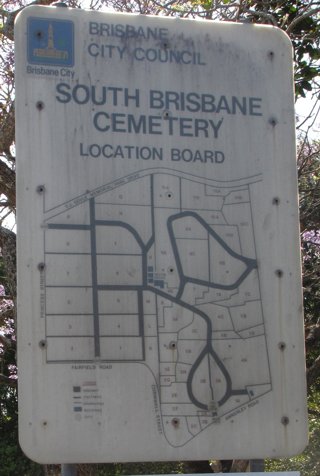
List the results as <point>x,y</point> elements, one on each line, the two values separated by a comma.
<point>50,42</point>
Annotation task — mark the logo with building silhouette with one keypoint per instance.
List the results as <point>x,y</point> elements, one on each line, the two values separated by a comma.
<point>50,42</point>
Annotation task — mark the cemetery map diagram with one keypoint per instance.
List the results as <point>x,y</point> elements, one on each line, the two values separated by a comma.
<point>159,268</point>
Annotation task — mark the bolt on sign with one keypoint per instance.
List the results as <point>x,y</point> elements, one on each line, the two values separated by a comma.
<point>160,311</point>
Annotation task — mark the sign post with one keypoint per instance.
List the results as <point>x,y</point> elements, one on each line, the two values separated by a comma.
<point>68,470</point>
<point>257,465</point>
<point>159,302</point>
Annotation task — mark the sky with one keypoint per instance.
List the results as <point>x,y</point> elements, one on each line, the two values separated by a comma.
<point>306,107</point>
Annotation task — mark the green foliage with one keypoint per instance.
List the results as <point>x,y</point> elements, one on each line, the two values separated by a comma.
<point>13,461</point>
<point>309,191</point>
<point>118,469</point>
<point>299,18</point>
<point>308,463</point>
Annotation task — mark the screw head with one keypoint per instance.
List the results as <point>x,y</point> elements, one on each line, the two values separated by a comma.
<point>175,422</point>
<point>43,344</point>
<point>40,105</point>
<point>282,345</point>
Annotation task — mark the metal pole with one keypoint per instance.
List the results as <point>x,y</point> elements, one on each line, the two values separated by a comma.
<point>68,470</point>
<point>256,466</point>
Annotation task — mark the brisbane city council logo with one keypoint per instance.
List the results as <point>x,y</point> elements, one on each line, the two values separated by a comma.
<point>50,42</point>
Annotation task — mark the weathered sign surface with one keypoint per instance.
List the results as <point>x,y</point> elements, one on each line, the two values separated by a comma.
<point>160,311</point>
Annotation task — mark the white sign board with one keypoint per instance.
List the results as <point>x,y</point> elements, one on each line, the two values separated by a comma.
<point>160,311</point>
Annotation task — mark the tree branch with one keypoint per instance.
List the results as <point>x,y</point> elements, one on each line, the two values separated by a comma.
<point>8,183</point>
<point>8,251</point>
<point>7,130</point>
<point>4,341</point>
<point>8,28</point>
<point>10,382</point>
<point>313,336</point>
<point>313,372</point>
<point>266,16</point>
<point>300,18</point>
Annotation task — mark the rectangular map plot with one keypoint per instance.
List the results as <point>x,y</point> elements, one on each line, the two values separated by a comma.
<point>63,349</point>
<point>69,325</point>
<point>78,300</point>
